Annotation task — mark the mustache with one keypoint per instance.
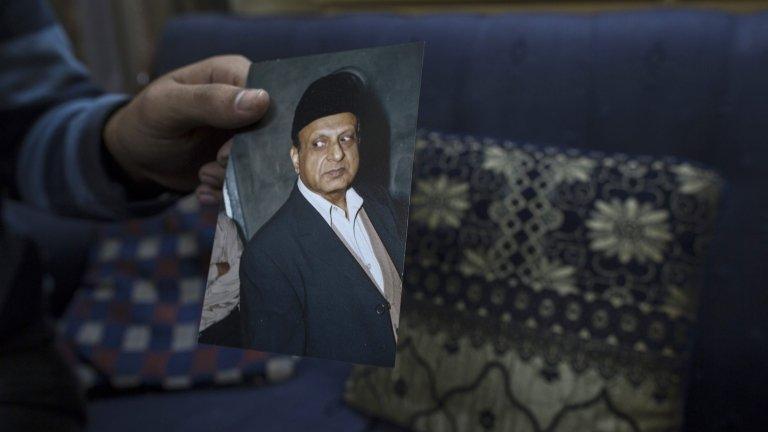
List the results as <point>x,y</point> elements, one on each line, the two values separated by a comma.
<point>327,170</point>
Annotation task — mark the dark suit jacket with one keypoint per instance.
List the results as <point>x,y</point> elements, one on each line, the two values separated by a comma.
<point>302,292</point>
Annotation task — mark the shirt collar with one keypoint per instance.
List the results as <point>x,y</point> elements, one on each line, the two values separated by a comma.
<point>325,207</point>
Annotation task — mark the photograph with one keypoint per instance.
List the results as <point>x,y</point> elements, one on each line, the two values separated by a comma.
<point>383,216</point>
<point>309,247</point>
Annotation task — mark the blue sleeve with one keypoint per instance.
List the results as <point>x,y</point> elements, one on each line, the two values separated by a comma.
<point>51,122</point>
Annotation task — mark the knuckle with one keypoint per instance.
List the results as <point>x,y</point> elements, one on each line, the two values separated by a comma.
<point>200,94</point>
<point>201,173</point>
<point>238,58</point>
<point>147,100</point>
<point>153,93</point>
<point>229,60</point>
<point>223,152</point>
<point>204,97</point>
<point>232,68</point>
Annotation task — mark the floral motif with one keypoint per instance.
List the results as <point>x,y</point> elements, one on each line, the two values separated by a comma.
<point>553,275</point>
<point>440,202</point>
<point>572,169</point>
<point>618,296</point>
<point>510,163</point>
<point>694,180</point>
<point>629,230</point>
<point>679,303</point>
<point>478,263</point>
<point>509,310</point>
<point>633,169</point>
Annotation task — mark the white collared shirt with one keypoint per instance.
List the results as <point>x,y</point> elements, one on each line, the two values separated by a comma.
<point>351,228</point>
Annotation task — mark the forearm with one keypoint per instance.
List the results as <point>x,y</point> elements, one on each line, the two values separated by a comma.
<point>53,119</point>
<point>71,149</point>
<point>63,165</point>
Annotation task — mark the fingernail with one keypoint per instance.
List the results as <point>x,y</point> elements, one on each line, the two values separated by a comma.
<point>250,99</point>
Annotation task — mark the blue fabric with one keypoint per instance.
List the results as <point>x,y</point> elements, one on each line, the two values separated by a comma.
<point>133,323</point>
<point>41,80</point>
<point>37,74</point>
<point>598,80</point>
<point>23,16</point>
<point>51,154</point>
<point>309,401</point>
<point>683,83</point>
<point>51,118</point>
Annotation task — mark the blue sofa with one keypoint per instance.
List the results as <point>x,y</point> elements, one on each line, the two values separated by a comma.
<point>669,82</point>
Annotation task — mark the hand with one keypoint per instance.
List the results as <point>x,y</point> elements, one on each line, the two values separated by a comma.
<point>171,134</point>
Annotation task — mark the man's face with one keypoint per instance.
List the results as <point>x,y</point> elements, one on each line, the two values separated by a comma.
<point>327,159</point>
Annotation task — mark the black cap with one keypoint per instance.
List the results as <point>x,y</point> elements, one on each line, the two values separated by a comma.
<point>339,92</point>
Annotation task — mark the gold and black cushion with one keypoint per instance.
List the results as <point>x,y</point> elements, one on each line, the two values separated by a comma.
<point>546,290</point>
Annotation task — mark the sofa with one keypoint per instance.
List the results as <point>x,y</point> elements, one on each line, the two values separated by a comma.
<point>680,83</point>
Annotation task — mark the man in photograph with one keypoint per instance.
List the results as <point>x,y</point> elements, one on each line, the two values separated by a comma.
<point>323,277</point>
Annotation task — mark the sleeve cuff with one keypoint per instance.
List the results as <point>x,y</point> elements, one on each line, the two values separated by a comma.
<point>64,166</point>
<point>98,175</point>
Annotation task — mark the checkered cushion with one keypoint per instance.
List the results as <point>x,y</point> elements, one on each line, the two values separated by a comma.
<point>134,321</point>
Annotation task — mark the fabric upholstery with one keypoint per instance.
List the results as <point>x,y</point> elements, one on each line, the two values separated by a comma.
<point>308,402</point>
<point>687,83</point>
<point>134,322</point>
<point>546,290</point>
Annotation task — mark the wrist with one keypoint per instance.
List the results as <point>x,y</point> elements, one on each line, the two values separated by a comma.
<point>119,165</point>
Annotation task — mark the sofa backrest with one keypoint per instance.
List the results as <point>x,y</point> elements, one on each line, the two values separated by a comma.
<point>658,82</point>
<point>668,82</point>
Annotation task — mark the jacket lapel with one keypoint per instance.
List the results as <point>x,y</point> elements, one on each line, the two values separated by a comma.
<point>382,221</point>
<point>322,243</point>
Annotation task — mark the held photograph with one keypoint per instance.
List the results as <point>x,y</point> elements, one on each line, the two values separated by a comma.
<point>309,247</point>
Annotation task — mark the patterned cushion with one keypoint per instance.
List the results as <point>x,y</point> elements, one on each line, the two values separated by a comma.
<point>547,289</point>
<point>134,323</point>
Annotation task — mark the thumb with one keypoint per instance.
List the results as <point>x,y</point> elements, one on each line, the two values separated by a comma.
<point>221,106</point>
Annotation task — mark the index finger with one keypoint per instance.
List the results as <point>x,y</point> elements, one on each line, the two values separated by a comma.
<point>222,157</point>
<point>224,69</point>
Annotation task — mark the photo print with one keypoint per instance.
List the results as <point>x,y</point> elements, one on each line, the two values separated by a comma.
<point>309,248</point>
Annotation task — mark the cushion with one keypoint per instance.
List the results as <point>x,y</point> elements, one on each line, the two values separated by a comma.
<point>546,289</point>
<point>134,322</point>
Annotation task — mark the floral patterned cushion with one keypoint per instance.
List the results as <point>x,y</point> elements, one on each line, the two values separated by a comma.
<point>547,289</point>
